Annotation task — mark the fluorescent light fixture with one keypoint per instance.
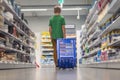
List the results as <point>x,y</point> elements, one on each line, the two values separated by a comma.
<point>33,10</point>
<point>64,9</point>
<point>71,9</point>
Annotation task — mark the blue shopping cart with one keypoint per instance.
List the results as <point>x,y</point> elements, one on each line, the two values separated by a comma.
<point>66,53</point>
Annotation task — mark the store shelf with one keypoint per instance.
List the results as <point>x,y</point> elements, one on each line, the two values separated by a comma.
<point>114,6</point>
<point>92,21</point>
<point>83,42</point>
<point>91,12</point>
<point>92,28</point>
<point>116,43</point>
<point>8,34</point>
<point>105,13</point>
<point>47,54</point>
<point>105,18</point>
<point>47,45</point>
<point>91,53</point>
<point>11,49</point>
<point>81,38</point>
<point>94,35</point>
<point>114,64</point>
<point>16,65</point>
<point>45,37</point>
<point>50,58</point>
<point>24,48</point>
<point>114,25</point>
<point>47,49</point>
<point>2,39</point>
<point>43,41</point>
<point>95,43</point>
<point>102,5</point>
<point>16,39</point>
<point>8,8</point>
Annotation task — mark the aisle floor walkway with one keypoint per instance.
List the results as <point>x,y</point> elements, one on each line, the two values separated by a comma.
<point>53,74</point>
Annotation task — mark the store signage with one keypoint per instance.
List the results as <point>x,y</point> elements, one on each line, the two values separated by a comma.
<point>60,1</point>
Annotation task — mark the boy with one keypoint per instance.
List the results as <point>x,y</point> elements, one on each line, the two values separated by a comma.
<point>56,29</point>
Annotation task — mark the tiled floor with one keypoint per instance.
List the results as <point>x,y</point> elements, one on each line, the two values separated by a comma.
<point>53,74</point>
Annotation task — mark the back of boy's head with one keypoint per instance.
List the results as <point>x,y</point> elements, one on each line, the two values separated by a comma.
<point>57,9</point>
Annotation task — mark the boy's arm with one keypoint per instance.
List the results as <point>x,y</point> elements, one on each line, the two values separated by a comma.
<point>64,31</point>
<point>50,31</point>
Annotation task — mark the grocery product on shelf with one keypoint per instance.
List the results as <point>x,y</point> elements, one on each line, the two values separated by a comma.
<point>105,46</point>
<point>16,44</point>
<point>101,4</point>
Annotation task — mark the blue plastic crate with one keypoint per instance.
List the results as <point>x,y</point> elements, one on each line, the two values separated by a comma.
<point>66,53</point>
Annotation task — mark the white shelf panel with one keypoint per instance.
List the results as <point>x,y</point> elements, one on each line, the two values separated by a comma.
<point>46,41</point>
<point>47,45</point>
<point>47,54</point>
<point>47,49</point>
<point>48,58</point>
<point>114,25</point>
<point>46,37</point>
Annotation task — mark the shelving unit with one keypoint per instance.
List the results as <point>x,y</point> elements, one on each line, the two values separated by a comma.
<point>102,40</point>
<point>114,25</point>
<point>47,49</point>
<point>16,39</point>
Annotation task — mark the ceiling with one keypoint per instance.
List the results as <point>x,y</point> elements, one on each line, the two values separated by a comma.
<point>49,4</point>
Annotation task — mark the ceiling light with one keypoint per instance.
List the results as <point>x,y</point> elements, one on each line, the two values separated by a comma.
<point>33,10</point>
<point>73,9</point>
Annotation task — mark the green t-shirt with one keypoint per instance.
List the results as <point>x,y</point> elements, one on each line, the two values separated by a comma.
<point>56,22</point>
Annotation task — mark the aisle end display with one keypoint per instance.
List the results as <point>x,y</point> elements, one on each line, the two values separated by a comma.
<point>47,49</point>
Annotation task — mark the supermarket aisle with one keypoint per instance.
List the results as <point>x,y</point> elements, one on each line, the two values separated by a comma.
<point>52,74</point>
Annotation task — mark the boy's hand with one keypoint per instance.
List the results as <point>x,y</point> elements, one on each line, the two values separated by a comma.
<point>64,36</point>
